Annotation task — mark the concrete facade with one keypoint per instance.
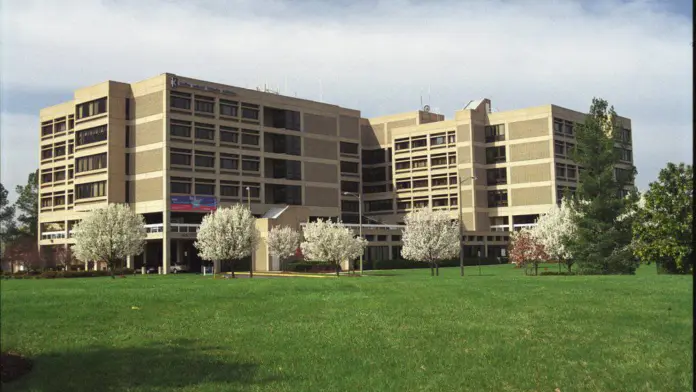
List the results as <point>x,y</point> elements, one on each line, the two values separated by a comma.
<point>170,136</point>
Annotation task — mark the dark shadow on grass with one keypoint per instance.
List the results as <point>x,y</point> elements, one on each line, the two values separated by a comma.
<point>165,366</point>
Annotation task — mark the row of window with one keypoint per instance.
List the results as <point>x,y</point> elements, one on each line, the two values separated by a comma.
<point>563,149</point>
<point>57,150</point>
<point>422,182</point>
<point>625,155</point>
<point>91,108</point>
<point>421,162</point>
<point>442,201</point>
<point>206,106</point>
<point>563,127</point>
<point>57,126</point>
<point>376,156</point>
<point>90,190</point>
<point>566,172</point>
<point>206,187</point>
<point>206,132</point>
<point>91,135</point>
<point>56,200</point>
<point>58,174</point>
<point>206,159</point>
<point>90,163</point>
<point>494,133</point>
<point>417,142</point>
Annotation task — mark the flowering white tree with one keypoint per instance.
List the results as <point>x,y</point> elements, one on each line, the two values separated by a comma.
<point>109,234</point>
<point>430,236</point>
<point>283,242</point>
<point>553,230</point>
<point>226,235</point>
<point>332,242</point>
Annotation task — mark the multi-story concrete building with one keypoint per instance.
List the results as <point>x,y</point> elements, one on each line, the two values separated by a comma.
<point>175,148</point>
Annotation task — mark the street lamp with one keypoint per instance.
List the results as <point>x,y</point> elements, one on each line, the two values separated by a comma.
<point>461,225</point>
<point>360,224</point>
<point>248,190</point>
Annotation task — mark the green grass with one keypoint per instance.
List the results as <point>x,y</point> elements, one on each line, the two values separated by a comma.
<point>502,331</point>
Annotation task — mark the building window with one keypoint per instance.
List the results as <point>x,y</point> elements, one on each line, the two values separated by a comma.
<point>560,171</point>
<point>402,165</point>
<point>229,108</point>
<point>559,149</point>
<point>625,135</point>
<point>180,100</point>
<point>205,159</point>
<point>282,144</point>
<point>419,163</point>
<point>498,198</point>
<point>374,174</point>
<point>419,143</point>
<point>558,126</point>
<point>91,108</point>
<point>251,163</point>
<point>46,202</point>
<point>89,190</point>
<point>281,118</point>
<point>437,140</point>
<point>494,133</point>
<point>59,176</point>
<point>350,206</point>
<point>250,111</point>
<point>438,160</point>
<point>624,154</point>
<point>423,203</point>
<point>250,137</point>
<point>374,188</point>
<point>229,135</point>
<point>349,148</point>
<point>496,176</point>
<point>91,135</point>
<point>420,182</point>
<point>60,127</point>
<point>378,205</point>
<point>440,202</point>
<point>205,131</point>
<point>623,175</point>
<point>254,189</point>
<point>47,129</point>
<point>403,205</point>
<point>229,161</point>
<point>205,187</point>
<point>402,145</point>
<point>46,178</point>
<point>442,181</point>
<point>180,185</point>
<point>373,157</point>
<point>569,128</point>
<point>571,172</point>
<point>180,128</point>
<point>178,156</point>
<point>349,167</point>
<point>205,104</point>
<point>495,154</point>
<point>229,188</point>
<point>89,163</point>
<point>404,184</point>
<point>350,186</point>
<point>283,194</point>
<point>59,151</point>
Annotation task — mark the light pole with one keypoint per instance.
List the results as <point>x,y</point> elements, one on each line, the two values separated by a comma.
<point>251,263</point>
<point>461,225</point>
<point>360,223</point>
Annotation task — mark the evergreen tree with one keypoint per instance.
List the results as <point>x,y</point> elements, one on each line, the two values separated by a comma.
<point>601,244</point>
<point>7,224</point>
<point>27,205</point>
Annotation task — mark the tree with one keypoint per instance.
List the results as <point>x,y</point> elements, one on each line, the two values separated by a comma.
<point>109,234</point>
<point>526,250</point>
<point>7,225</point>
<point>63,257</point>
<point>602,239</point>
<point>554,230</point>
<point>331,242</point>
<point>430,236</point>
<point>27,205</point>
<point>283,242</point>
<point>226,235</point>
<point>22,251</point>
<point>663,232</point>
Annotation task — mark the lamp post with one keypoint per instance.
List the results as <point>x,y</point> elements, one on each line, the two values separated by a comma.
<point>461,225</point>
<point>360,223</point>
<point>251,263</point>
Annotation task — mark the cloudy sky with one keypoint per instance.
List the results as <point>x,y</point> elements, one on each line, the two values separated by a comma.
<point>375,56</point>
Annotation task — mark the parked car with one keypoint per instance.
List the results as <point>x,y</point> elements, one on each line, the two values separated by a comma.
<point>176,268</point>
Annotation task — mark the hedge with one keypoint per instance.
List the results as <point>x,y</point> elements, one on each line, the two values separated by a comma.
<point>64,274</point>
<point>321,266</point>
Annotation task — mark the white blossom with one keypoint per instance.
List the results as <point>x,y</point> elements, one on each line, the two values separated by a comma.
<point>332,242</point>
<point>109,234</point>
<point>227,234</point>
<point>430,236</point>
<point>553,228</point>
<point>283,241</point>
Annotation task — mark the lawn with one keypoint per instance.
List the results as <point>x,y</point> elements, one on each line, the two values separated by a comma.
<point>501,331</point>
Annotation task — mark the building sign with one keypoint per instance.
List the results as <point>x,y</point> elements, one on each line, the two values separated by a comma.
<point>176,82</point>
<point>193,203</point>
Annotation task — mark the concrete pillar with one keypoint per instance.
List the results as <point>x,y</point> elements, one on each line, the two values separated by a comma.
<point>86,265</point>
<point>129,262</point>
<point>391,252</point>
<point>179,252</point>
<point>166,254</point>
<point>142,271</point>
<point>145,254</point>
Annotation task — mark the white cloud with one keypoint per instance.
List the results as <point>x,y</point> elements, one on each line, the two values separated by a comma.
<point>379,56</point>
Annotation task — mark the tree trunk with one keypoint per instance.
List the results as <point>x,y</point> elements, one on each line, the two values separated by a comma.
<point>536,269</point>
<point>338,266</point>
<point>232,263</point>
<point>559,266</point>
<point>432,271</point>
<point>111,267</point>
<point>437,269</point>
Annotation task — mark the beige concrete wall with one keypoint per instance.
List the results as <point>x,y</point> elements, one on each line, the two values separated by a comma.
<point>321,197</point>
<point>530,196</point>
<point>529,128</point>
<point>321,125</point>
<point>482,221</point>
<point>467,200</point>
<point>146,161</point>
<point>530,173</point>
<point>321,172</point>
<point>478,133</point>
<point>147,105</point>
<point>369,136</point>
<point>468,219</point>
<point>463,133</point>
<point>529,151</point>
<point>401,123</point>
<point>146,189</point>
<point>349,127</point>
<point>464,154</point>
<point>147,133</point>
<point>316,148</point>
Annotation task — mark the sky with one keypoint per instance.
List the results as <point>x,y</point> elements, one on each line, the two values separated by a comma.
<point>379,57</point>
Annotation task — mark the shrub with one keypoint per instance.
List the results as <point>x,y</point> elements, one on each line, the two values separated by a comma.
<point>556,273</point>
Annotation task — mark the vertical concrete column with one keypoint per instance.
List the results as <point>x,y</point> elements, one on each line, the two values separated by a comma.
<point>166,254</point>
<point>86,265</point>
<point>391,252</point>
<point>145,255</point>
<point>179,252</point>
<point>129,262</point>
